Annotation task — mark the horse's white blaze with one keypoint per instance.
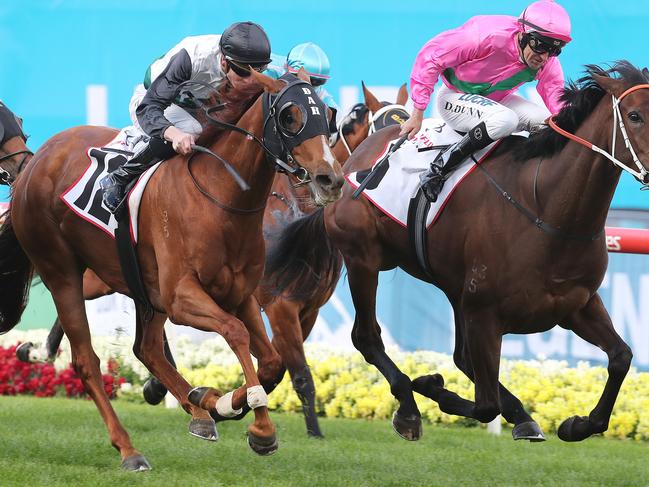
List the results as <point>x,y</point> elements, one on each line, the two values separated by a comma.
<point>327,154</point>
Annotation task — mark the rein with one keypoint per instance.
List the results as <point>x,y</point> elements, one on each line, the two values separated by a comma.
<point>536,220</point>
<point>5,176</point>
<point>641,174</point>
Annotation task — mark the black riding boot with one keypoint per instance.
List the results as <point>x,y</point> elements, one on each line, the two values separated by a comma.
<point>433,180</point>
<point>114,183</point>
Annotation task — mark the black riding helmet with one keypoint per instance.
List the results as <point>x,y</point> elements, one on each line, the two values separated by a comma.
<point>245,43</point>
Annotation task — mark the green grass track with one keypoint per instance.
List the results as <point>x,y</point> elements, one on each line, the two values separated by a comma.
<point>52,442</point>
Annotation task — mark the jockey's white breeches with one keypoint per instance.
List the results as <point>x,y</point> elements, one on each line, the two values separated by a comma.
<point>176,115</point>
<point>463,111</point>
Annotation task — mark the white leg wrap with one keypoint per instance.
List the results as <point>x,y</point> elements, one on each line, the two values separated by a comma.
<point>257,397</point>
<point>224,406</point>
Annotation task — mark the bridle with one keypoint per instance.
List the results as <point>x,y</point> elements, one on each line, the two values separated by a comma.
<point>641,173</point>
<point>272,130</point>
<point>5,176</point>
<point>358,111</point>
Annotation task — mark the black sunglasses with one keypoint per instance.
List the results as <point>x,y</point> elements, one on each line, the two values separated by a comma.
<point>317,81</point>
<point>244,71</point>
<point>542,46</point>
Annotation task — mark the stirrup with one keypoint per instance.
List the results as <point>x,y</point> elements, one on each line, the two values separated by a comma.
<point>113,194</point>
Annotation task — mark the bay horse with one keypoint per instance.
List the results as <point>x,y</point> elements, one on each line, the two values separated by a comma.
<point>519,248</point>
<point>200,247</point>
<point>291,318</point>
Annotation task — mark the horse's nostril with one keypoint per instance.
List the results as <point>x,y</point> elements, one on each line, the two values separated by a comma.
<point>324,181</point>
<point>329,183</point>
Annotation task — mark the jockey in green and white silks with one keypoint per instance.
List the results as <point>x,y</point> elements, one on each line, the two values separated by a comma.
<point>157,112</point>
<point>314,61</point>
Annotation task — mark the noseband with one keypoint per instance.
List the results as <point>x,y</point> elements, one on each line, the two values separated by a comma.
<point>641,173</point>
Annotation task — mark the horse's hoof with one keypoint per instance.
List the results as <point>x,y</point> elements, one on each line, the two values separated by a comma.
<point>576,428</point>
<point>407,427</point>
<point>204,429</point>
<point>136,463</point>
<point>528,430</point>
<point>426,385</point>
<point>263,446</point>
<point>22,351</point>
<point>153,391</point>
<point>315,434</point>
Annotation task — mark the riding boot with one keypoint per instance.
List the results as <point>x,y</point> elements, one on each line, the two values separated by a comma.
<point>114,183</point>
<point>433,180</point>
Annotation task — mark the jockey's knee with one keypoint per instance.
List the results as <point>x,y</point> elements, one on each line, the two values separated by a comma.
<point>501,123</point>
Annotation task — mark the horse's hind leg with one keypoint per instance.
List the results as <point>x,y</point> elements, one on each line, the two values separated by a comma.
<point>482,342</point>
<point>525,428</point>
<point>28,352</point>
<point>289,332</point>
<point>366,337</point>
<point>190,304</point>
<point>93,288</point>
<point>68,297</point>
<point>593,324</point>
<point>149,348</point>
<point>153,390</point>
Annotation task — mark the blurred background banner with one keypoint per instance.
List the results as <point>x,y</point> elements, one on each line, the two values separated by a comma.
<point>65,63</point>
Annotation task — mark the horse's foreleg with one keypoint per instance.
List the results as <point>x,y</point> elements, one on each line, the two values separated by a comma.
<point>191,305</point>
<point>366,337</point>
<point>593,324</point>
<point>149,348</point>
<point>289,332</point>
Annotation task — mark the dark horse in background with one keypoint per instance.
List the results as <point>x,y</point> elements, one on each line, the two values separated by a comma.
<point>505,267</point>
<point>204,279</point>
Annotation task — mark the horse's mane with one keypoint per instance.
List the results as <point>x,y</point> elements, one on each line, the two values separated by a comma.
<point>580,99</point>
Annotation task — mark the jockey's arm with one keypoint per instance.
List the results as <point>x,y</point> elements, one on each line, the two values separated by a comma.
<point>551,85</point>
<point>161,94</point>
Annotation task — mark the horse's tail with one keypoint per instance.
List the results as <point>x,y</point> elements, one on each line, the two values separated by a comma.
<point>15,277</point>
<point>302,261</point>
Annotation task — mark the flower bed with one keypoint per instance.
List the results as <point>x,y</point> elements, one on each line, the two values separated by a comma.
<point>44,380</point>
<point>347,387</point>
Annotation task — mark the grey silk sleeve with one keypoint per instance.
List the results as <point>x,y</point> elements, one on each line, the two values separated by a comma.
<point>161,94</point>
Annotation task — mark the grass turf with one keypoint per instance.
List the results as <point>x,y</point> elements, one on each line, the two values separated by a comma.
<point>63,442</point>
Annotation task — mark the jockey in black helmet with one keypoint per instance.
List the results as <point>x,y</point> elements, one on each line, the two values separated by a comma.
<point>207,59</point>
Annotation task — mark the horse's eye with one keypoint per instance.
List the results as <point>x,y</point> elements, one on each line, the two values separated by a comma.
<point>635,117</point>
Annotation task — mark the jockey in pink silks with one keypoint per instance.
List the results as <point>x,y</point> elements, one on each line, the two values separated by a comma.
<point>481,64</point>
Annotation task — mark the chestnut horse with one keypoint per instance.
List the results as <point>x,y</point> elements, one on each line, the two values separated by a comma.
<point>519,248</point>
<point>201,251</point>
<point>291,318</point>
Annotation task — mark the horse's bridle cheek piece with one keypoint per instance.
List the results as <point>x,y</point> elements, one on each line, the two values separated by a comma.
<point>641,174</point>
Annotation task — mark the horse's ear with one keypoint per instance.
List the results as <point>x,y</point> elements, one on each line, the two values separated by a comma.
<point>645,73</point>
<point>301,74</point>
<point>611,85</point>
<point>370,100</point>
<point>269,84</point>
<point>402,96</point>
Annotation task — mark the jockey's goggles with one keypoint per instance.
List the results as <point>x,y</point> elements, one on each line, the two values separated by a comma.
<point>243,71</point>
<point>317,81</point>
<point>542,44</point>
